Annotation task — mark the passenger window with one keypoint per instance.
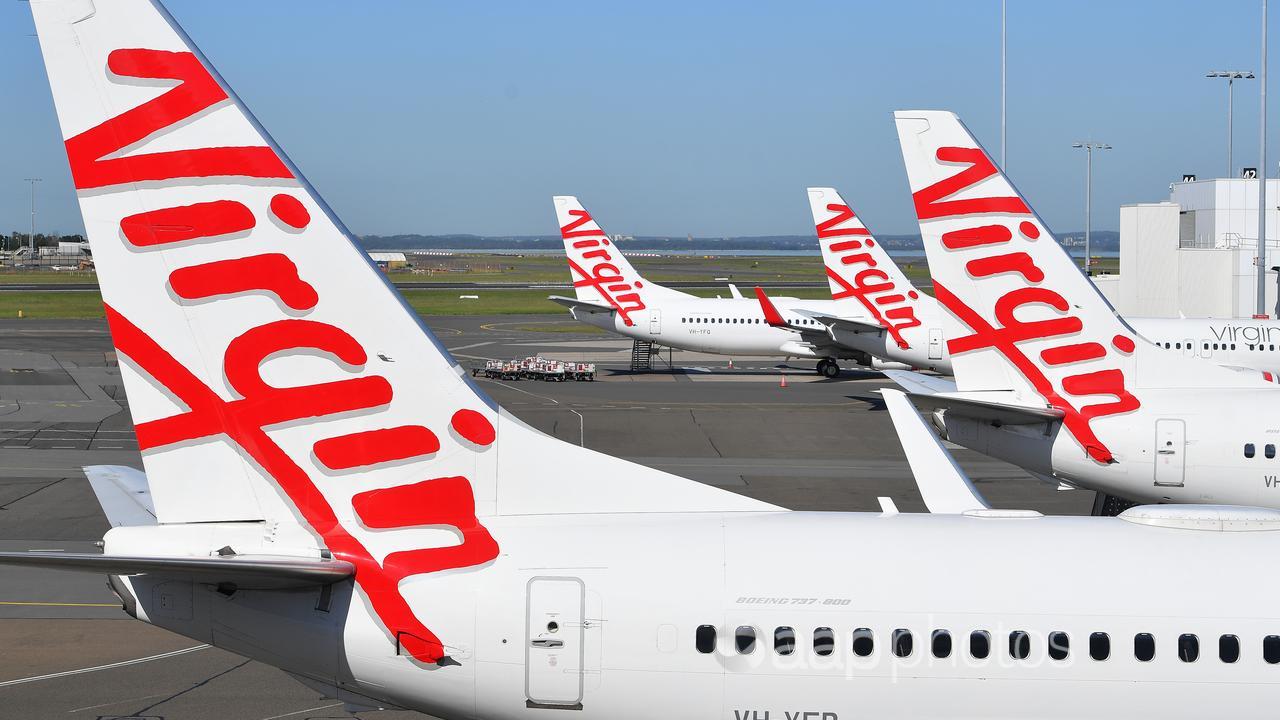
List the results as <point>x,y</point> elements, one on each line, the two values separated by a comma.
<point>1215,346</point>
<point>979,644</point>
<point>1269,450</point>
<point>1271,649</point>
<point>1099,646</point>
<point>863,642</point>
<point>705,639</point>
<point>1177,346</point>
<point>784,640</point>
<point>1248,450</point>
<point>1059,645</point>
<point>941,642</point>
<point>1206,346</point>
<point>1228,648</point>
<point>1144,647</point>
<point>745,639</point>
<point>1019,645</point>
<point>902,645</point>
<point>824,641</point>
<point>1188,648</point>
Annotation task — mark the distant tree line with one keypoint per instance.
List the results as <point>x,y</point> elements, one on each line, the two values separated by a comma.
<point>1102,240</point>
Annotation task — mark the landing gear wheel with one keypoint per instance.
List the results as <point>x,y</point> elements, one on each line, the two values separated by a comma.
<point>822,366</point>
<point>830,370</point>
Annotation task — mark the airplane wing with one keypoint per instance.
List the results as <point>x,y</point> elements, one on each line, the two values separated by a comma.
<point>249,572</point>
<point>943,485</point>
<point>123,494</point>
<point>811,333</point>
<point>577,305</point>
<point>839,323</point>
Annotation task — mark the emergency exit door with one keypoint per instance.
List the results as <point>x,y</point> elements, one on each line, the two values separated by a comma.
<point>935,343</point>
<point>1171,443</point>
<point>554,648</point>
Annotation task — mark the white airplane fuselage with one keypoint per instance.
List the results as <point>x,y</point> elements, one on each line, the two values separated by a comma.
<point>1174,449</point>
<point>737,327</point>
<point>1239,342</point>
<point>600,613</point>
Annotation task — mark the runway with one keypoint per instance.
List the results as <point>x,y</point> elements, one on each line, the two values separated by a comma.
<point>816,444</point>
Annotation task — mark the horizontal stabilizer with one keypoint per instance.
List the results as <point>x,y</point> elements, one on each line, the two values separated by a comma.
<point>985,410</point>
<point>943,485</point>
<point>123,493</point>
<point>914,382</point>
<point>249,572</point>
<point>582,305</point>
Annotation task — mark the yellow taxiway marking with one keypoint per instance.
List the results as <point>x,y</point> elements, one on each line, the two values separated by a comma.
<point>59,604</point>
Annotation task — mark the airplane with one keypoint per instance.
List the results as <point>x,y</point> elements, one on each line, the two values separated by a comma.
<point>327,492</point>
<point>610,294</point>
<point>861,271</point>
<point>897,324</point>
<point>1046,375</point>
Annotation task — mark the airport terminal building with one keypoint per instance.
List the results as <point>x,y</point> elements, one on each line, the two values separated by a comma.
<point>1196,254</point>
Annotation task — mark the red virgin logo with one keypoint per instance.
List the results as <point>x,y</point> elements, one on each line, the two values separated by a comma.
<point>601,273</point>
<point>986,249</point>
<point>870,286</point>
<point>256,405</point>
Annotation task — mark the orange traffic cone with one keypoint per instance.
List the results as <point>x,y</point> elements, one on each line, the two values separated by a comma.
<point>784,382</point>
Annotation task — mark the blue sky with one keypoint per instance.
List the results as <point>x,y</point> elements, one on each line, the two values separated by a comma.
<point>669,118</point>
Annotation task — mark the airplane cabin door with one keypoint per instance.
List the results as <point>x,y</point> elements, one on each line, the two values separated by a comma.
<point>935,343</point>
<point>554,649</point>
<point>1171,444</point>
<point>655,322</point>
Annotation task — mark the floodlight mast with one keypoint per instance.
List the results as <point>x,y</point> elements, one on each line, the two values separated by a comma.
<point>1088,148</point>
<point>1230,76</point>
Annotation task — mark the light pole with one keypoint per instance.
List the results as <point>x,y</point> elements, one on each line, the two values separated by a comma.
<point>1261,310</point>
<point>32,237</point>
<point>1089,147</point>
<point>1232,76</point>
<point>1004,160</point>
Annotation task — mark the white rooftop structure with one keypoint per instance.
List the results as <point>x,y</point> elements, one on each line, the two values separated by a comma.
<point>1195,255</point>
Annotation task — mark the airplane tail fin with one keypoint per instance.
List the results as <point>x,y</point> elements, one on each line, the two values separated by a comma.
<point>1020,315</point>
<point>273,373</point>
<point>860,271</point>
<point>600,272</point>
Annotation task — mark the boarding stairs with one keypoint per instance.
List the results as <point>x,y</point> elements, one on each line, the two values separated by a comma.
<point>641,356</point>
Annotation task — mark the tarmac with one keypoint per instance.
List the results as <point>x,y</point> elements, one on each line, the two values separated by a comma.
<point>70,652</point>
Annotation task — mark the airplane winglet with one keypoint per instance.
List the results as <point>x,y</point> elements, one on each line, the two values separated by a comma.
<point>943,485</point>
<point>771,314</point>
<point>734,292</point>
